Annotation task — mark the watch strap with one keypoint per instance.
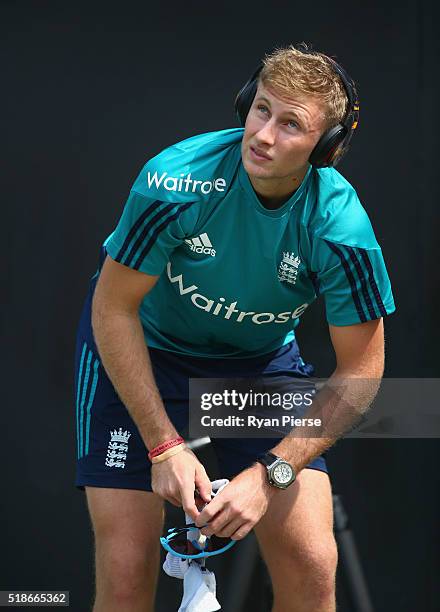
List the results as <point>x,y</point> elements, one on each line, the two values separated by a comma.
<point>267,459</point>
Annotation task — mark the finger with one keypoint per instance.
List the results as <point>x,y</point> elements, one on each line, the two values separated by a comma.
<point>242,531</point>
<point>203,484</point>
<point>208,512</point>
<point>229,527</point>
<point>188,502</point>
<point>219,522</point>
<point>199,502</point>
<point>174,501</point>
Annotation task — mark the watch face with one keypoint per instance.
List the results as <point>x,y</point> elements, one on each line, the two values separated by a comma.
<point>282,473</point>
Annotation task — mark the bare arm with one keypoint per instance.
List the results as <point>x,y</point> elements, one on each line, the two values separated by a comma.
<point>347,394</point>
<point>121,343</point>
<point>360,360</point>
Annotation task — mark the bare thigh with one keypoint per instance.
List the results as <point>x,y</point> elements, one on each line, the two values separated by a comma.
<point>302,513</point>
<point>127,525</point>
<point>297,541</point>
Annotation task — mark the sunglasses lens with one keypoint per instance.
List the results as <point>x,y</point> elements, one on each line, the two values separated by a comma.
<point>216,543</point>
<point>180,543</point>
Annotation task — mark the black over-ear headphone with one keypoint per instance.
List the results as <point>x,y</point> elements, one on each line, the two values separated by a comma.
<point>334,143</point>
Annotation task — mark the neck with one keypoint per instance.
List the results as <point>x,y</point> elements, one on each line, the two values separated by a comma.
<point>273,193</point>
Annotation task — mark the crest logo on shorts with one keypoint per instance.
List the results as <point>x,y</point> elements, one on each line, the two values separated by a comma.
<point>288,269</point>
<point>117,448</point>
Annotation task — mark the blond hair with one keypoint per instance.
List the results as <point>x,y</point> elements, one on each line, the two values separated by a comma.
<point>291,71</point>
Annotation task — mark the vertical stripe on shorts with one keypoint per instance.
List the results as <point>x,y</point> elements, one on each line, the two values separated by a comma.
<point>85,394</point>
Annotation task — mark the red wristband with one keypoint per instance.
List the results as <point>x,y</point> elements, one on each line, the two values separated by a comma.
<point>158,450</point>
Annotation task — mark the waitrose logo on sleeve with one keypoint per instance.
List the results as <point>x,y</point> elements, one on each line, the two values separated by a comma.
<point>185,183</point>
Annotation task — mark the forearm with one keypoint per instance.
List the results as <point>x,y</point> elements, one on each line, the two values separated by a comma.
<point>339,405</point>
<point>124,354</point>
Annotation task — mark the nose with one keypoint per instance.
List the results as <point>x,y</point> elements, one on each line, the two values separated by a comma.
<point>267,133</point>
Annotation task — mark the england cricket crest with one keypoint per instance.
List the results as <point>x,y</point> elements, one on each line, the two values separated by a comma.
<point>117,448</point>
<point>288,268</point>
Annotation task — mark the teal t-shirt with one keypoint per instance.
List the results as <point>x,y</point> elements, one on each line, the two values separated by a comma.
<point>235,277</point>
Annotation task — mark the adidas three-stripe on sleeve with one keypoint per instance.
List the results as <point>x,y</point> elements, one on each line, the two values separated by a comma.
<point>147,233</point>
<point>349,269</point>
<point>354,283</point>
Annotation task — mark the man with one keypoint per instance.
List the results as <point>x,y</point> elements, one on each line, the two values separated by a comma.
<point>225,240</point>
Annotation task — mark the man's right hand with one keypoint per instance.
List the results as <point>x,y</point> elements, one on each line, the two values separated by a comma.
<point>176,479</point>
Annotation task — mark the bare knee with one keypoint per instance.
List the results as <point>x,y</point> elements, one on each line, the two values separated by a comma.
<point>306,568</point>
<point>315,564</point>
<point>124,572</point>
<point>127,525</point>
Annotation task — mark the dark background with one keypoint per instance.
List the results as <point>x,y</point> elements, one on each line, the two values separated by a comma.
<point>90,93</point>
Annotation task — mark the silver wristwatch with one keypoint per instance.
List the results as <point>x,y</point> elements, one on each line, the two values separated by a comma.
<point>279,472</point>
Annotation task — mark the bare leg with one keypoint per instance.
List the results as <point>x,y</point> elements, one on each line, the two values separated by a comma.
<point>297,543</point>
<point>127,525</point>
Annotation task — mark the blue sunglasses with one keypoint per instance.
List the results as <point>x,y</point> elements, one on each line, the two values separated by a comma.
<point>176,542</point>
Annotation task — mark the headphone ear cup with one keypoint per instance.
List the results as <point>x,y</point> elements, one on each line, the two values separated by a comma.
<point>326,151</point>
<point>246,95</point>
<point>244,99</point>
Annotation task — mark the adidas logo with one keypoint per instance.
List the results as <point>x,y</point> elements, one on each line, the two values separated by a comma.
<point>201,244</point>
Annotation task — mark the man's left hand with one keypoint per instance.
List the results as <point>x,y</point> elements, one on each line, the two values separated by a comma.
<point>239,506</point>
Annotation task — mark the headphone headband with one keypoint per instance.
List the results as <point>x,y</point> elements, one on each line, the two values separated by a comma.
<point>334,143</point>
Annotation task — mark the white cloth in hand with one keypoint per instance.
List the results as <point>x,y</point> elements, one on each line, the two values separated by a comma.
<point>199,590</point>
<point>175,566</point>
<point>199,584</point>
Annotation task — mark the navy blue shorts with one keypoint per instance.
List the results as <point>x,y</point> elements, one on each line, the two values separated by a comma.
<point>110,450</point>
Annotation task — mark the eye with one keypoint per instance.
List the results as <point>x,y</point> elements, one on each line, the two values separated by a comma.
<point>292,123</point>
<point>262,108</point>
